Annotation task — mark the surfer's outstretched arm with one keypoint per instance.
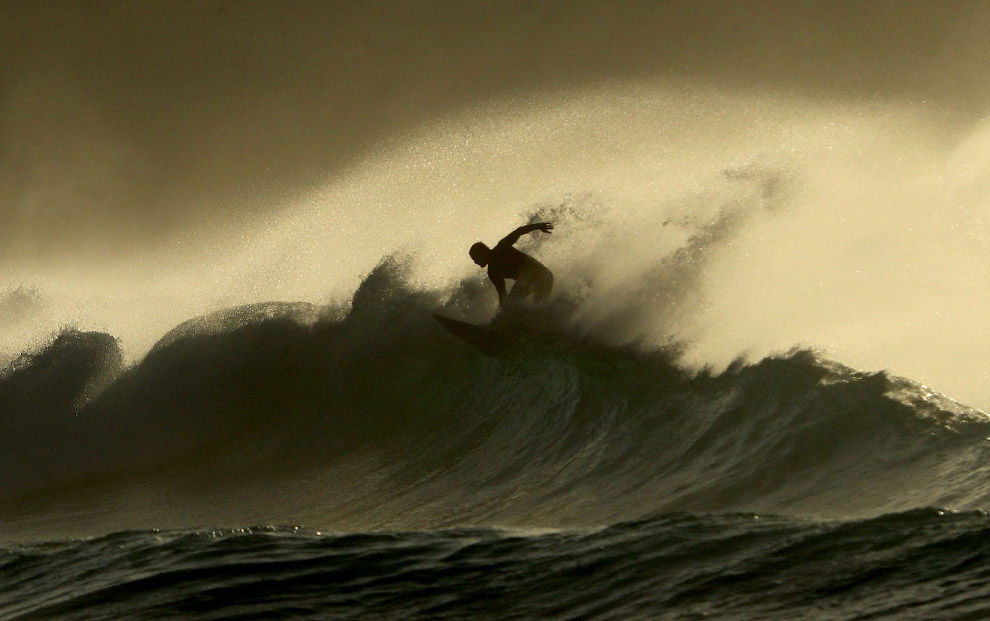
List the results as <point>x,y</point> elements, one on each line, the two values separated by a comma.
<point>500,287</point>
<point>514,236</point>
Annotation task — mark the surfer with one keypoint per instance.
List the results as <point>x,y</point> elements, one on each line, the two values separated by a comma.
<point>504,261</point>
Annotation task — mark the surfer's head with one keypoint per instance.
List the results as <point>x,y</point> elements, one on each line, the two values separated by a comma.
<point>480,252</point>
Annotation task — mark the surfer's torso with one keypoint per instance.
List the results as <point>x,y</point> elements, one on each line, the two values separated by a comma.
<point>503,261</point>
<point>507,262</point>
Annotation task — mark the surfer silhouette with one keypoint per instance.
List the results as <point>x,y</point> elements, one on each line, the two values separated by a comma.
<point>531,277</point>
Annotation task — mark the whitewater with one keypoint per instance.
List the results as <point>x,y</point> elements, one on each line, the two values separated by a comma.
<point>734,406</point>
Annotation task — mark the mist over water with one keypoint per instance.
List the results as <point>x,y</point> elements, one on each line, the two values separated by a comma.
<point>738,222</point>
<point>808,176</point>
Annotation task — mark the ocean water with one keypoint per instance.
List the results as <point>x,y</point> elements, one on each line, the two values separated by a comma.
<point>294,461</point>
<point>758,390</point>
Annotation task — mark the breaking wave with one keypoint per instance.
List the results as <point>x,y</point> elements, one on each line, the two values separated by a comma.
<point>374,417</point>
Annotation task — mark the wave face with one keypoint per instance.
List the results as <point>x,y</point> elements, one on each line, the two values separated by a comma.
<point>373,417</point>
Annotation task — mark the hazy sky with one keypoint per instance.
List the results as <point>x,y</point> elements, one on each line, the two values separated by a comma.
<point>825,165</point>
<point>122,122</point>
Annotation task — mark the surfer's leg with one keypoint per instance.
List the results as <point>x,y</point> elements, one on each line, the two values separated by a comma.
<point>521,289</point>
<point>536,282</point>
<point>542,285</point>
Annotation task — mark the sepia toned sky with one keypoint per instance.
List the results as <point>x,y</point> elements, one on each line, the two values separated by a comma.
<point>164,159</point>
<point>123,122</point>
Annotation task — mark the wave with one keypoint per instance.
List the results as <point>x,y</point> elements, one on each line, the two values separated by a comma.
<point>921,564</point>
<point>373,417</point>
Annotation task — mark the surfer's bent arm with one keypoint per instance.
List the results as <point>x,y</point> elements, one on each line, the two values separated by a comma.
<point>500,287</point>
<point>514,236</point>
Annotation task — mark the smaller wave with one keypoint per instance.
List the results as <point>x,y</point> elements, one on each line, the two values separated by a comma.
<point>41,394</point>
<point>236,392</point>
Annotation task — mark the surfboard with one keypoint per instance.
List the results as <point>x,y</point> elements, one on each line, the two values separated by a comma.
<point>484,339</point>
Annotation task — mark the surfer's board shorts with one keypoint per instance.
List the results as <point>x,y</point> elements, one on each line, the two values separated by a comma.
<point>536,281</point>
